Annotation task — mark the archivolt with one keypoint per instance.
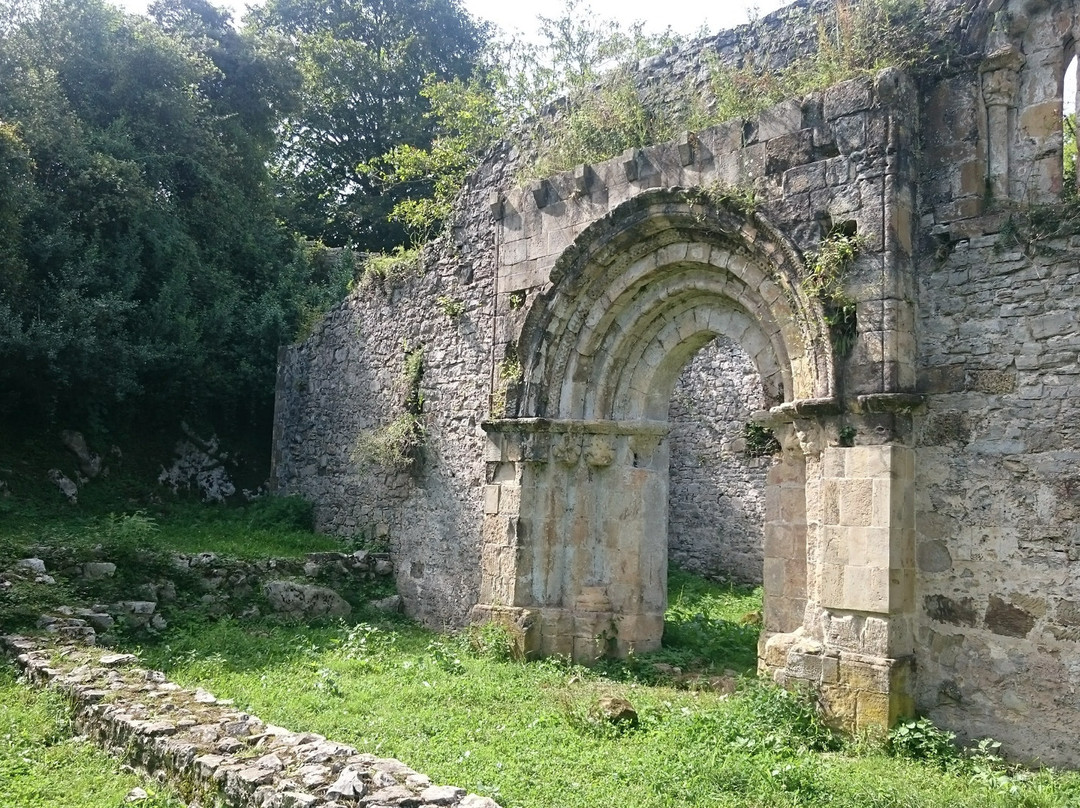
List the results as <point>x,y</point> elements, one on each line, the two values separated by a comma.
<point>645,287</point>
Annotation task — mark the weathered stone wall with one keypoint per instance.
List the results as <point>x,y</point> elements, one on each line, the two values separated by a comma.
<point>346,379</point>
<point>920,529</point>
<point>717,494</point>
<point>998,446</point>
<point>998,494</point>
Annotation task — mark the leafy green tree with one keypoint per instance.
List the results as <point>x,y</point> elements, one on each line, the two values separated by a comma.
<point>567,99</point>
<point>363,64</point>
<point>467,120</point>
<point>144,268</point>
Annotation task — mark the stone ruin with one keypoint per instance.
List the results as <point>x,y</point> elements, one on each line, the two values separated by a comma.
<point>918,533</point>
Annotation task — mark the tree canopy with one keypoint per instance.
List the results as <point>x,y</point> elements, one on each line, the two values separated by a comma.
<point>144,267</point>
<point>363,64</point>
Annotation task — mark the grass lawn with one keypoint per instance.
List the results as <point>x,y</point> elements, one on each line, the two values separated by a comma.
<point>529,735</point>
<point>257,530</point>
<point>459,709</point>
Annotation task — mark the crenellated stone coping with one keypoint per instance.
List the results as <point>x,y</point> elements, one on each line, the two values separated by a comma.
<point>210,749</point>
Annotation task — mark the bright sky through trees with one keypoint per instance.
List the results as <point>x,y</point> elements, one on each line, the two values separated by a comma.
<point>511,16</point>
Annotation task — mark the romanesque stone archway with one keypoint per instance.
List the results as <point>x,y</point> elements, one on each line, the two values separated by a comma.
<point>575,532</point>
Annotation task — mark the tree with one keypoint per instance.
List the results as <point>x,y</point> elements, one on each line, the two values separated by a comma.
<point>363,64</point>
<point>145,270</point>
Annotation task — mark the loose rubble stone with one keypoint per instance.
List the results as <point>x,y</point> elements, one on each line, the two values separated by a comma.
<point>67,487</point>
<point>305,600</point>
<point>32,564</point>
<point>97,570</point>
<point>390,605</point>
<point>348,785</point>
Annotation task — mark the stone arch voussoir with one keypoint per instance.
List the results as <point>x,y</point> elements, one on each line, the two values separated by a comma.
<point>641,289</point>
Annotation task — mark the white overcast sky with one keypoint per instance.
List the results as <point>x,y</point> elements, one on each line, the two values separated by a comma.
<point>514,15</point>
<point>685,18</point>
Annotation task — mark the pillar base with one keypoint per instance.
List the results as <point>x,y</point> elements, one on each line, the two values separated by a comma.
<point>583,636</point>
<point>858,692</point>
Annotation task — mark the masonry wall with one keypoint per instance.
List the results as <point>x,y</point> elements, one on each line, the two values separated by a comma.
<point>998,495</point>
<point>346,379</point>
<point>998,445</point>
<point>717,494</point>
<point>967,296</point>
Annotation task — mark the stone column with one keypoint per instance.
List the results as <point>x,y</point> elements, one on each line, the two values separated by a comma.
<point>1000,88</point>
<point>855,646</point>
<point>574,554</point>
<point>785,537</point>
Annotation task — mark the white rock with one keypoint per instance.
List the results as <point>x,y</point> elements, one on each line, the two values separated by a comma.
<point>348,784</point>
<point>32,564</point>
<point>304,600</point>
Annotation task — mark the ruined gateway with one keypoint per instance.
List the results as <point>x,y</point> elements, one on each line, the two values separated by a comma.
<point>918,536</point>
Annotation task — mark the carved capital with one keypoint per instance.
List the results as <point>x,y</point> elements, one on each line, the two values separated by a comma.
<point>600,451</point>
<point>1001,76</point>
<point>567,449</point>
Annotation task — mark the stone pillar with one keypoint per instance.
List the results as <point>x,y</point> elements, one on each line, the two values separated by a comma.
<point>785,537</point>
<point>1000,89</point>
<point>574,555</point>
<point>855,646</point>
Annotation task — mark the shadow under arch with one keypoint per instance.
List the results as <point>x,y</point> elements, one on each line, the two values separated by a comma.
<point>574,547</point>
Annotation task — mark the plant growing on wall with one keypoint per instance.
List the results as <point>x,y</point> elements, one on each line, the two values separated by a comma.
<point>388,268</point>
<point>450,306</point>
<point>760,441</point>
<point>824,279</point>
<point>397,445</point>
<point>508,375</point>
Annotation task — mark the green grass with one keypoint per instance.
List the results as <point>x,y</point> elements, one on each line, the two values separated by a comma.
<point>44,766</point>
<point>528,734</point>
<point>238,532</point>
<point>460,710</point>
<point>142,544</point>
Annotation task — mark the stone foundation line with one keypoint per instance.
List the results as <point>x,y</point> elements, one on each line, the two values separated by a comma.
<point>216,754</point>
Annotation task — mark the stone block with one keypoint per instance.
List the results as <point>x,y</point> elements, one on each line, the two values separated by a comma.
<point>830,670</point>
<point>837,544</point>
<point>865,673</point>
<point>491,499</point>
<point>873,712</point>
<point>774,575</point>
<point>856,497</point>
<point>868,462</point>
<point>751,163</point>
<point>785,152</point>
<point>785,118</point>
<point>831,584</point>
<point>804,666</point>
<point>850,133</point>
<point>846,98</point>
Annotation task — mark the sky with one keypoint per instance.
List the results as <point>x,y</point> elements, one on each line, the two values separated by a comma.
<point>514,15</point>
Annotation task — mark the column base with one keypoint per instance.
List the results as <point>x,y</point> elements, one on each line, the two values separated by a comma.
<point>858,692</point>
<point>583,636</point>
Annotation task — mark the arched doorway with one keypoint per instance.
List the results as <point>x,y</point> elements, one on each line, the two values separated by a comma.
<point>719,465</point>
<point>574,543</point>
<point>575,529</point>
